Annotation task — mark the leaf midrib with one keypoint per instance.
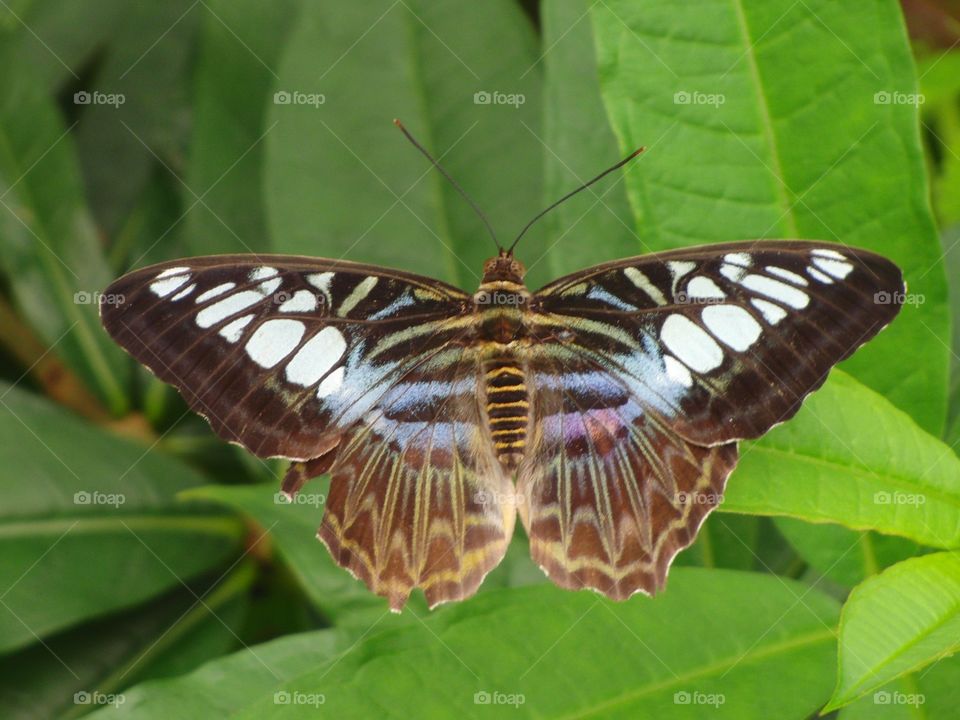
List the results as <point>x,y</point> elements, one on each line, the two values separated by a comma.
<point>766,651</point>
<point>212,524</point>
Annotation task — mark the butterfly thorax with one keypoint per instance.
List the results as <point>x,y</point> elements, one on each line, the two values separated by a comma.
<point>501,303</point>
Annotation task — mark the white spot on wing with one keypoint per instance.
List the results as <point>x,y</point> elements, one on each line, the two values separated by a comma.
<point>362,289</point>
<point>677,371</point>
<point>233,331</point>
<point>643,283</point>
<point>214,292</point>
<point>262,273</point>
<point>321,281</point>
<point>302,301</point>
<point>819,276</point>
<point>733,273</point>
<point>315,358</point>
<point>779,291</point>
<point>273,341</point>
<point>836,268</point>
<point>679,268</point>
<point>230,305</point>
<point>828,253</point>
<point>331,383</point>
<point>771,313</point>
<point>786,275</point>
<point>162,288</point>
<point>172,271</point>
<point>183,293</point>
<point>733,325</point>
<point>741,259</point>
<point>704,288</point>
<point>690,344</point>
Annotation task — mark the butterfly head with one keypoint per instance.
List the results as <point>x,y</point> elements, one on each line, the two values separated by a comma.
<point>503,267</point>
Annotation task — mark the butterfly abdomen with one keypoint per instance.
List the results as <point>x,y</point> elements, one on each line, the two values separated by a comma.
<point>508,409</point>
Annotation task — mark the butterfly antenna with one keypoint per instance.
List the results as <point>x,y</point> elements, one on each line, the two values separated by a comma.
<point>456,185</point>
<point>569,195</point>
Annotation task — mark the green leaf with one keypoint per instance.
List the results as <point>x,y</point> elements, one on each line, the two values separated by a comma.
<point>738,640</point>
<point>762,121</point>
<point>49,252</point>
<point>578,143</point>
<point>342,182</point>
<point>849,457</point>
<point>845,556</point>
<point>89,522</point>
<point>725,541</point>
<point>292,527</point>
<point>122,144</point>
<point>171,635</point>
<point>897,622</point>
<point>931,693</point>
<point>240,45</point>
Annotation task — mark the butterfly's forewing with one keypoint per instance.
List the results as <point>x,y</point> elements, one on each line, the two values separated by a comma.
<point>648,371</point>
<point>353,365</point>
<point>727,340</point>
<point>279,353</point>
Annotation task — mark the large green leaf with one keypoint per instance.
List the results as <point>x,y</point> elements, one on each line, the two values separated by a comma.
<point>341,181</point>
<point>578,143</point>
<point>931,693</point>
<point>849,457</point>
<point>240,45</point>
<point>764,120</point>
<point>172,635</point>
<point>741,642</point>
<point>845,556</point>
<point>49,252</point>
<point>897,622</point>
<point>89,523</point>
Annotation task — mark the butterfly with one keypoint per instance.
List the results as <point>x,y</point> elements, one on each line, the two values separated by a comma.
<point>604,409</point>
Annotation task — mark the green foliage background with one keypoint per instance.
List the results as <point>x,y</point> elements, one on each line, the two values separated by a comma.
<point>147,570</point>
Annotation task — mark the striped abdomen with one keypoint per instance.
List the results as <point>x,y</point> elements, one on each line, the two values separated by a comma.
<point>508,410</point>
